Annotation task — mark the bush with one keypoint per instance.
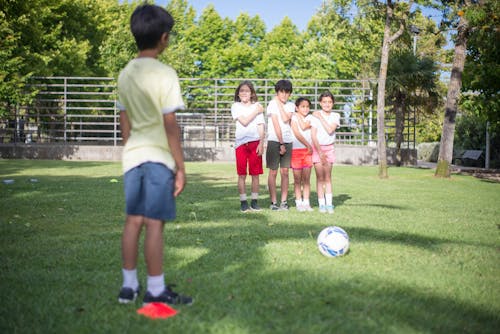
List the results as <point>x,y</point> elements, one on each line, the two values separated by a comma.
<point>428,151</point>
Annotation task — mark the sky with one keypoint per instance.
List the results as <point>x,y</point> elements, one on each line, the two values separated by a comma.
<point>271,12</point>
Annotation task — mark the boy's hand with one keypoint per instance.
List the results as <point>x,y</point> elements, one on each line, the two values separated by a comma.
<point>180,182</point>
<point>282,149</point>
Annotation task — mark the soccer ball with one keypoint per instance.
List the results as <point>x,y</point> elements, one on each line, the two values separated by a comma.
<point>333,241</point>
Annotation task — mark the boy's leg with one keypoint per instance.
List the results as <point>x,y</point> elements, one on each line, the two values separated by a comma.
<point>153,246</point>
<point>130,241</point>
<point>271,183</point>
<point>153,253</point>
<point>272,161</point>
<point>285,163</point>
<point>284,184</point>
<point>130,244</point>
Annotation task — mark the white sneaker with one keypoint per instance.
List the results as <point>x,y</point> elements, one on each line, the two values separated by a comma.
<point>329,208</point>
<point>322,208</point>
<point>308,208</point>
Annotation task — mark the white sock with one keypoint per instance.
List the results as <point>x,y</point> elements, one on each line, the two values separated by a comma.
<point>243,197</point>
<point>156,285</point>
<point>298,203</point>
<point>306,203</point>
<point>321,201</point>
<point>255,195</point>
<point>329,199</point>
<point>130,279</point>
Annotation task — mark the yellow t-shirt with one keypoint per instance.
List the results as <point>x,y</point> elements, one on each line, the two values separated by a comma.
<point>148,89</point>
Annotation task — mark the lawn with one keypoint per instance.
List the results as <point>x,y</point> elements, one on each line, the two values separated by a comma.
<point>424,254</point>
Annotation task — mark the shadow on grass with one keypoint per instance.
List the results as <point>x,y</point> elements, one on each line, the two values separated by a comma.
<point>241,281</point>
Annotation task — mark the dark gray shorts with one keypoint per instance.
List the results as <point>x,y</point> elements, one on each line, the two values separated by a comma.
<point>274,159</point>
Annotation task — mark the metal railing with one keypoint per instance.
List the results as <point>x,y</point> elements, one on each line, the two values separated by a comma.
<point>83,110</point>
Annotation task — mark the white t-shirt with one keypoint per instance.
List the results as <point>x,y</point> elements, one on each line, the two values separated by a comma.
<point>323,137</point>
<point>245,134</point>
<point>286,130</point>
<point>305,133</point>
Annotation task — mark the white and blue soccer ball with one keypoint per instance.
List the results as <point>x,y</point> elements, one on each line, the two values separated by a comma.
<point>333,241</point>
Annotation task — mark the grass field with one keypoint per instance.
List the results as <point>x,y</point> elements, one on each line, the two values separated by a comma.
<point>424,255</point>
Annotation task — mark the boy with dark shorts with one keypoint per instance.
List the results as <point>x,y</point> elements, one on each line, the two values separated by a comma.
<point>279,142</point>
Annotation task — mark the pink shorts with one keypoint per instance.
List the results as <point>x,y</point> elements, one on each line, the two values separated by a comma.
<point>301,158</point>
<point>246,155</point>
<point>327,150</point>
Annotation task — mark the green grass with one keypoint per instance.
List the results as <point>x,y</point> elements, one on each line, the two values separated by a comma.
<point>424,255</point>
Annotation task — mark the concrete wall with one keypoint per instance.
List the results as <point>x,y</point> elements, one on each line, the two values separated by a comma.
<point>346,154</point>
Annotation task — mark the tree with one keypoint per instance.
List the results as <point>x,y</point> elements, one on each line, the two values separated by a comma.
<point>411,82</point>
<point>207,39</point>
<point>48,38</point>
<point>280,49</point>
<point>482,67</point>
<point>119,46</point>
<point>179,54</point>
<point>446,145</point>
<point>384,60</point>
<point>239,57</point>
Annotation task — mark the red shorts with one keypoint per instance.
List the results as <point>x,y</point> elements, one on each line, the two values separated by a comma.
<point>246,155</point>
<point>301,158</point>
<point>327,150</point>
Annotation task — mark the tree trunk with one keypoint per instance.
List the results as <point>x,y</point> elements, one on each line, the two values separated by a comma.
<point>446,145</point>
<point>382,77</point>
<point>399,108</point>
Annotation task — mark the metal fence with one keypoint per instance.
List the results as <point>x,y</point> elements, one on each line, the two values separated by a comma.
<point>83,110</point>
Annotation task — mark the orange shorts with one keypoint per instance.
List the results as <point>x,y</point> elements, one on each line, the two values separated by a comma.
<point>301,158</point>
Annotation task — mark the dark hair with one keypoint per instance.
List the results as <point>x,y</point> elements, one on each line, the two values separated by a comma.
<point>283,86</point>
<point>253,94</point>
<point>302,99</point>
<point>148,23</point>
<point>327,93</point>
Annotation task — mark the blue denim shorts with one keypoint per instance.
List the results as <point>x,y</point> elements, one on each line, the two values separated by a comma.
<point>149,191</point>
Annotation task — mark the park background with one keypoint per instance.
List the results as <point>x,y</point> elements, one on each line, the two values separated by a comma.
<point>341,41</point>
<point>424,251</point>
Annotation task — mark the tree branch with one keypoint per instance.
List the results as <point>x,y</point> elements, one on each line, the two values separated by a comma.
<point>401,22</point>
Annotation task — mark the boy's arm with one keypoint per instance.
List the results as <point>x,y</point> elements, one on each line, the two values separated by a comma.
<point>285,116</point>
<point>173,136</point>
<point>124,126</point>
<point>277,128</point>
<point>279,134</point>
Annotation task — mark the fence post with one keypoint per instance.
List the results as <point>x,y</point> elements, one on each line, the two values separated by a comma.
<point>215,111</point>
<point>65,98</point>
